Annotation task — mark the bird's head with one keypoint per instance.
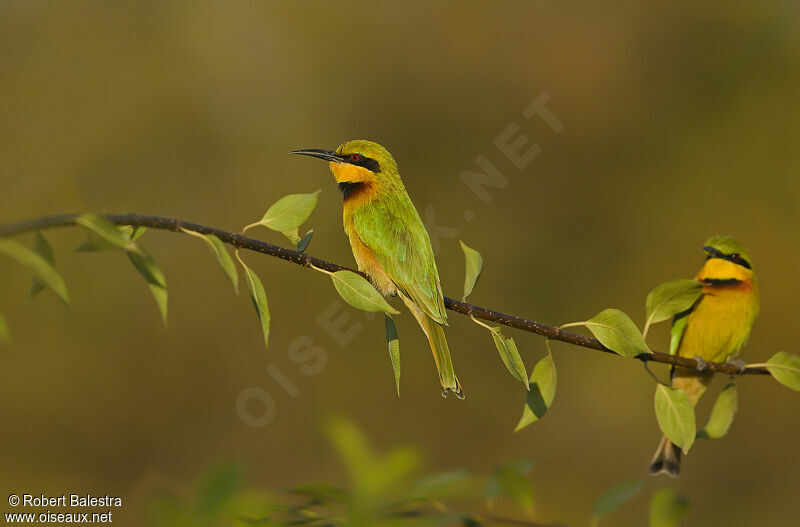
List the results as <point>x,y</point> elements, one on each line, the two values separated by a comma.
<point>726,259</point>
<point>357,161</point>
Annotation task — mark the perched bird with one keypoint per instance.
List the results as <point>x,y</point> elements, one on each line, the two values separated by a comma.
<point>714,329</point>
<point>389,240</point>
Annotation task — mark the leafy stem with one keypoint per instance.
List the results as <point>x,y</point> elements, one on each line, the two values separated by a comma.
<point>242,242</point>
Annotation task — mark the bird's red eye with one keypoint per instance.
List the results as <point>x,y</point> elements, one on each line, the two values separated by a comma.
<point>736,257</point>
<point>355,157</point>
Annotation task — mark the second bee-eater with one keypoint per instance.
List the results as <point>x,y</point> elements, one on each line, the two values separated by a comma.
<point>389,240</point>
<point>714,329</point>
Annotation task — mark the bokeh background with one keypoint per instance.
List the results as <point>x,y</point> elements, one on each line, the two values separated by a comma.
<point>679,121</point>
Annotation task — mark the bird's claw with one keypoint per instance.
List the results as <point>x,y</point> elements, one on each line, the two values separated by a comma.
<point>701,364</point>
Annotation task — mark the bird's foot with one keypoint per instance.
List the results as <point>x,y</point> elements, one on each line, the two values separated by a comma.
<point>701,364</point>
<point>741,366</point>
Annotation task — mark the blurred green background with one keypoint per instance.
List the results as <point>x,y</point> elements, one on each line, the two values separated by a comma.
<point>679,121</point>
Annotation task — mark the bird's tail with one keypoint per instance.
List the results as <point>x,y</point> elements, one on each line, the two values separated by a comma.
<point>667,459</point>
<point>441,352</point>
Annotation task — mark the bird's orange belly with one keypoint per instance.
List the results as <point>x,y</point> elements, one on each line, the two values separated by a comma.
<point>367,261</point>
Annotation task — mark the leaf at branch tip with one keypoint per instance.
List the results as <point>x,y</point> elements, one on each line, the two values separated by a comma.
<point>785,368</point>
<point>302,245</point>
<point>152,273</point>
<point>542,392</point>
<point>106,230</point>
<point>359,293</point>
<point>474,265</point>
<point>5,334</point>
<point>43,249</point>
<point>223,258</point>
<point>289,212</point>
<point>259,297</point>
<point>671,298</point>
<point>667,508</point>
<point>617,332</point>
<point>393,341</point>
<point>675,416</point>
<point>616,496</point>
<point>722,414</point>
<point>41,268</point>
<point>510,355</point>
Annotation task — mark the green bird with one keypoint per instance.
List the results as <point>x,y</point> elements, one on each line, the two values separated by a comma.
<point>389,240</point>
<point>714,329</point>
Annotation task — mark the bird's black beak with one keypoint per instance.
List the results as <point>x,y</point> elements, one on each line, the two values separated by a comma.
<point>713,252</point>
<point>327,155</point>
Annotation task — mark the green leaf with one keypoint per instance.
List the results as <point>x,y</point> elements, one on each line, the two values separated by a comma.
<point>152,273</point>
<point>371,476</point>
<point>303,244</point>
<point>617,332</point>
<point>289,212</point>
<point>5,334</point>
<point>217,488</point>
<point>106,230</point>
<point>675,415</point>
<point>394,349</point>
<point>94,243</point>
<point>443,485</point>
<point>722,414</point>
<point>292,235</point>
<point>542,391</point>
<point>510,355</point>
<point>40,267</point>
<point>223,258</point>
<point>522,465</point>
<point>510,481</point>
<point>359,293</point>
<point>134,233</point>
<point>676,333</point>
<point>474,264</point>
<point>785,368</point>
<point>616,496</point>
<point>671,298</point>
<point>259,298</point>
<point>667,508</point>
<point>43,249</point>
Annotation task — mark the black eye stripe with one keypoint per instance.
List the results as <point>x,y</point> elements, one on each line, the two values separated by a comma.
<point>738,261</point>
<point>366,162</point>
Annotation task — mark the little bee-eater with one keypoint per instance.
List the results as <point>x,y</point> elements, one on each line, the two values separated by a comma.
<point>389,240</point>
<point>714,329</point>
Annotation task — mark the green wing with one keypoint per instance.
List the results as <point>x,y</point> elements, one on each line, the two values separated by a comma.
<point>392,228</point>
<point>679,325</point>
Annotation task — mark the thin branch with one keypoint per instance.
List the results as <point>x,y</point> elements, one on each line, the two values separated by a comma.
<point>306,260</point>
